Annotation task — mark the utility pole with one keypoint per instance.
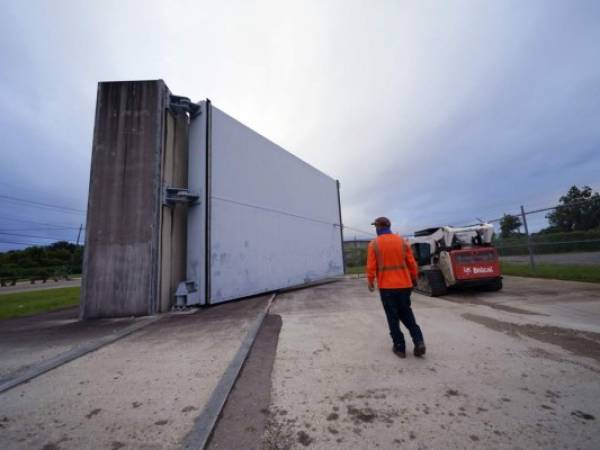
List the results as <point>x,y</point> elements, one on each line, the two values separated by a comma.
<point>69,269</point>
<point>529,249</point>
<point>79,234</point>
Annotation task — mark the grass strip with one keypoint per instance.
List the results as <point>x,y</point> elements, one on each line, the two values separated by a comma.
<point>566,272</point>
<point>360,270</point>
<point>34,302</point>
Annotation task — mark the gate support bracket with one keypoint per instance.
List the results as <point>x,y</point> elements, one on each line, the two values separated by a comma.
<point>173,195</point>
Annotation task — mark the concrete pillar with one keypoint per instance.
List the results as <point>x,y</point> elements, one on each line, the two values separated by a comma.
<point>134,155</point>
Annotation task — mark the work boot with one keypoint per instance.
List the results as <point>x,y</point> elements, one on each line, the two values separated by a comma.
<point>419,349</point>
<point>400,352</point>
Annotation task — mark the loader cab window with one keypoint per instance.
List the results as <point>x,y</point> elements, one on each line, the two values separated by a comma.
<point>422,253</point>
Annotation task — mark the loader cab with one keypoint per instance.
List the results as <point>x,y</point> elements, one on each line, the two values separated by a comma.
<point>422,253</point>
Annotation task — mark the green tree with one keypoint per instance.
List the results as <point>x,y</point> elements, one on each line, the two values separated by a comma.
<point>509,226</point>
<point>579,210</point>
<point>57,258</point>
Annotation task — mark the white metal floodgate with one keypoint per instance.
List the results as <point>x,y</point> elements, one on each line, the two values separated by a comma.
<point>266,219</point>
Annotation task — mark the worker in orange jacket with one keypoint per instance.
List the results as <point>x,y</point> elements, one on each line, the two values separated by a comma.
<point>391,262</point>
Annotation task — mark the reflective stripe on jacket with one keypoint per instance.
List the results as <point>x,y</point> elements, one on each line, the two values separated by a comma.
<point>390,259</point>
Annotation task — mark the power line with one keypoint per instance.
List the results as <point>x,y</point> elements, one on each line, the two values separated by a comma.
<point>12,219</point>
<point>30,242</point>
<point>540,243</point>
<point>566,205</point>
<point>33,236</point>
<point>550,208</point>
<point>22,243</point>
<point>42,205</point>
<point>369,233</point>
<point>35,190</point>
<point>39,244</point>
<point>40,229</point>
<point>278,211</point>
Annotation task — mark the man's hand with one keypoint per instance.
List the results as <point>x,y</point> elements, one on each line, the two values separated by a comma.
<point>371,286</point>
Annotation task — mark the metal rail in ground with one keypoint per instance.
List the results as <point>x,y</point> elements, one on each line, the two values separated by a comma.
<point>70,355</point>
<point>198,437</point>
<point>74,353</point>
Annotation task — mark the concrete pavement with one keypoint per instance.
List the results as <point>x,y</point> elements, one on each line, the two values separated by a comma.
<point>567,304</point>
<point>28,341</point>
<point>491,378</point>
<point>141,392</point>
<point>516,369</point>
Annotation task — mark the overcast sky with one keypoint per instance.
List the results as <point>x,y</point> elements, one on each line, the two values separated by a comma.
<point>427,112</point>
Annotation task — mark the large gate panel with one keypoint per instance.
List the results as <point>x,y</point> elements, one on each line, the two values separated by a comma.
<point>273,218</point>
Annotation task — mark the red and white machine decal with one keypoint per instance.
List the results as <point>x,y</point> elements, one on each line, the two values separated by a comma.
<point>473,264</point>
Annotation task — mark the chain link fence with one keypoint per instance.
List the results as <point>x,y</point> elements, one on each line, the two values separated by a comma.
<point>355,256</point>
<point>534,243</point>
<point>537,241</point>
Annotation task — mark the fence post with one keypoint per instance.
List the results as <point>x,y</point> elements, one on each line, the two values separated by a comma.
<point>529,249</point>
<point>355,256</point>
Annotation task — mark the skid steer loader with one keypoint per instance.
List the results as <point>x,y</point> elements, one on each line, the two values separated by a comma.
<point>452,256</point>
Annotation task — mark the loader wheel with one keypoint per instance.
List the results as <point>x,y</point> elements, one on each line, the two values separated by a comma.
<point>431,283</point>
<point>494,285</point>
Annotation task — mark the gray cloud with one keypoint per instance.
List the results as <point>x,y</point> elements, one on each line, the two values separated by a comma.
<point>427,112</point>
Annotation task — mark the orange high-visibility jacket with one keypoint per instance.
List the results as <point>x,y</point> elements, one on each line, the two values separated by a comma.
<point>390,259</point>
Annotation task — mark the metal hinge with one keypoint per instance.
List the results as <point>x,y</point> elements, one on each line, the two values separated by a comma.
<point>184,290</point>
<point>173,195</point>
<point>178,103</point>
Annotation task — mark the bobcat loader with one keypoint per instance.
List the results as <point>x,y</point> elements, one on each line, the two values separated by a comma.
<point>451,256</point>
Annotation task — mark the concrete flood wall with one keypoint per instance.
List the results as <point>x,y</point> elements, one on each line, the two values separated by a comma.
<point>137,147</point>
<point>264,219</point>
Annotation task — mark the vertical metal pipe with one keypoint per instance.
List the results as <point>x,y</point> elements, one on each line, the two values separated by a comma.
<point>355,253</point>
<point>337,182</point>
<point>529,249</point>
<point>208,248</point>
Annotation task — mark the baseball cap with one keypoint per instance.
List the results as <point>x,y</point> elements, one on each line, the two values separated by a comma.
<point>382,222</point>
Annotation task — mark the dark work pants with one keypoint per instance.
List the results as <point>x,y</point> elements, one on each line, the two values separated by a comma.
<point>396,304</point>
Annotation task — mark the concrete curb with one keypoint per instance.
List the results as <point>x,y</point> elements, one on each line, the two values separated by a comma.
<point>198,437</point>
<point>70,355</point>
